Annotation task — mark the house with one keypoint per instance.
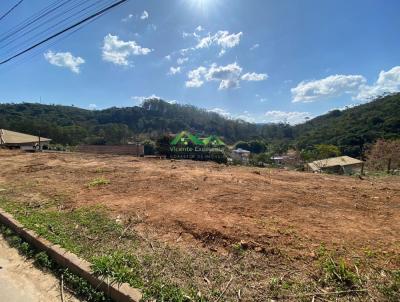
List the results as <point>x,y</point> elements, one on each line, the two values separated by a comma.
<point>339,165</point>
<point>279,160</point>
<point>16,140</point>
<point>241,155</point>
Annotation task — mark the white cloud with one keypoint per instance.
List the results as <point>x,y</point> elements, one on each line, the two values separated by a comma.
<point>244,116</point>
<point>152,27</point>
<point>130,16</point>
<point>252,76</point>
<point>293,117</point>
<point>226,40</point>
<point>92,106</point>
<point>168,57</point>
<point>195,77</point>
<point>255,46</point>
<point>144,16</point>
<point>228,76</point>
<point>221,112</point>
<point>222,38</point>
<point>354,85</point>
<point>261,99</point>
<point>199,28</point>
<point>64,59</point>
<point>193,34</point>
<point>140,99</point>
<point>274,116</point>
<point>174,70</point>
<point>335,85</point>
<point>388,82</point>
<point>181,61</point>
<point>118,51</point>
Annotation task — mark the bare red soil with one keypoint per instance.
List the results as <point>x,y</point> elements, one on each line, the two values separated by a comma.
<point>214,206</point>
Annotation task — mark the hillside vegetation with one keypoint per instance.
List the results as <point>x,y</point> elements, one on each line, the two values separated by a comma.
<point>351,129</point>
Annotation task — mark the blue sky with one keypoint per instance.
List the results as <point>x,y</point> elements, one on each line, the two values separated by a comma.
<point>263,61</point>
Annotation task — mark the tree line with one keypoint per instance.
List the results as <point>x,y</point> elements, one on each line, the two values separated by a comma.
<point>352,130</point>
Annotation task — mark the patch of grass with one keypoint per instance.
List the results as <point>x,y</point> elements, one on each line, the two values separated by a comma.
<point>75,283</point>
<point>43,260</point>
<point>93,235</point>
<point>274,286</point>
<point>391,287</point>
<point>370,253</point>
<point>80,231</point>
<point>238,248</point>
<point>167,292</point>
<point>120,267</point>
<point>339,273</point>
<point>99,181</point>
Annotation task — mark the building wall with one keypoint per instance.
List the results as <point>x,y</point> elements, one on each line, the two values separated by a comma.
<point>117,150</point>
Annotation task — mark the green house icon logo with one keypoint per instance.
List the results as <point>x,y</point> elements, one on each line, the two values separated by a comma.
<point>184,138</point>
<point>213,141</point>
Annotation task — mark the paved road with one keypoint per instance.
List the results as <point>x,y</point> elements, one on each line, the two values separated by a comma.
<point>21,281</point>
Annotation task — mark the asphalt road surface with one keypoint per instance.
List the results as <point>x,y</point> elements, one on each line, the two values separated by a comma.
<point>21,281</point>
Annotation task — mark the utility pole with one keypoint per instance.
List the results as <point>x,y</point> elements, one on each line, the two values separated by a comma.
<point>39,142</point>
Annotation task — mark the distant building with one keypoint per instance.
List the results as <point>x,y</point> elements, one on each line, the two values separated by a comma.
<point>279,160</point>
<point>17,140</point>
<point>339,165</point>
<point>241,155</point>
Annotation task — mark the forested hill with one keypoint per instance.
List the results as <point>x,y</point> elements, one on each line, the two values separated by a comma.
<point>71,125</point>
<point>351,129</point>
<point>354,128</point>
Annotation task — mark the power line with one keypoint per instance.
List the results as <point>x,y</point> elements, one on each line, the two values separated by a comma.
<point>30,18</point>
<point>79,15</point>
<point>51,26</point>
<point>34,20</point>
<point>39,50</point>
<point>64,30</point>
<point>11,9</point>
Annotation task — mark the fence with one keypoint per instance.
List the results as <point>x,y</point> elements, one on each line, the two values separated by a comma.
<point>135,150</point>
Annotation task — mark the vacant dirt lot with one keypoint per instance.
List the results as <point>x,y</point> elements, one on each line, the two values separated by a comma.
<point>215,205</point>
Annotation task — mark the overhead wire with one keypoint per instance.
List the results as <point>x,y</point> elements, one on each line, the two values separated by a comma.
<point>73,26</point>
<point>11,9</point>
<point>51,26</point>
<point>30,18</point>
<point>39,51</point>
<point>3,39</point>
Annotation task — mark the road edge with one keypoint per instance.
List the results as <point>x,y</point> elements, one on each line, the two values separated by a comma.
<point>119,293</point>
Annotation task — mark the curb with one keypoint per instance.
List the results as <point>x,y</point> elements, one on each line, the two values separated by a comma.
<point>79,266</point>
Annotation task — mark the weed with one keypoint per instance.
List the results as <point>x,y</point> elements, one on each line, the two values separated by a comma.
<point>274,286</point>
<point>339,273</point>
<point>99,181</point>
<point>80,286</point>
<point>369,253</point>
<point>391,288</point>
<point>14,241</point>
<point>238,248</point>
<point>26,249</point>
<point>43,260</point>
<point>120,267</point>
<point>165,292</point>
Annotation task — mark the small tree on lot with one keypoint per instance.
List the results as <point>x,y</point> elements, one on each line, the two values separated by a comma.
<point>320,152</point>
<point>384,155</point>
